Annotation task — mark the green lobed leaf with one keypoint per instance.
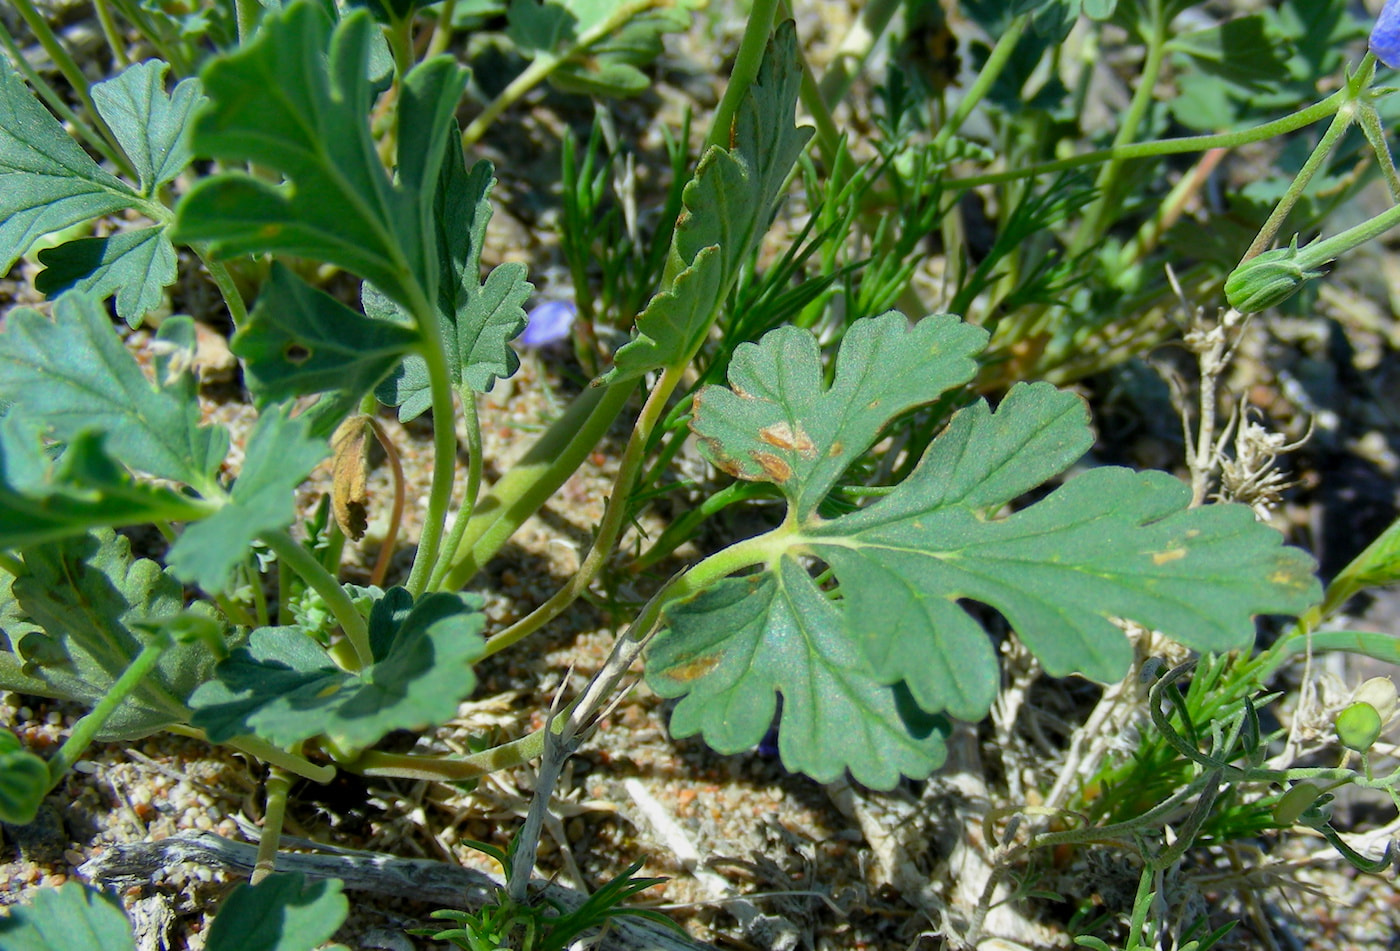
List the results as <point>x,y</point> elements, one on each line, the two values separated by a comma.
<point>281,452</point>
<point>728,206</point>
<point>283,912</point>
<point>151,126</point>
<point>44,499</point>
<point>70,917</point>
<point>310,121</point>
<point>730,650</point>
<point>1108,544</point>
<point>285,688</point>
<point>83,601</point>
<point>780,423</point>
<point>24,780</point>
<point>477,320</point>
<point>47,182</point>
<point>72,374</point>
<point>136,266</point>
<point>299,340</point>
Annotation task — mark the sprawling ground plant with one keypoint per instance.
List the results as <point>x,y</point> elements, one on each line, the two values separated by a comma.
<point>900,443</point>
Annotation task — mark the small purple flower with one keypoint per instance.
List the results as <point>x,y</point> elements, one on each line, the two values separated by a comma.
<point>549,323</point>
<point>1385,36</point>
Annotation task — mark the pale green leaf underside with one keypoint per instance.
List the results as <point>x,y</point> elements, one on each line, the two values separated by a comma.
<point>737,645</point>
<point>1108,544</point>
<point>43,499</point>
<point>72,374</point>
<point>780,423</point>
<point>66,918</point>
<point>88,597</point>
<point>285,688</point>
<point>47,182</point>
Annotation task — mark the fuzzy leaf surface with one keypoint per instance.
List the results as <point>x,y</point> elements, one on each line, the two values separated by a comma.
<point>281,452</point>
<point>285,688</point>
<point>734,648</point>
<point>778,422</point>
<point>72,374</point>
<point>728,207</point>
<point>84,600</point>
<point>151,125</point>
<point>136,266</point>
<point>477,319</point>
<point>43,498</point>
<point>47,182</point>
<point>1110,543</point>
<point>70,916</point>
<point>299,340</point>
<point>297,99</point>
<point>152,129</point>
<point>283,912</point>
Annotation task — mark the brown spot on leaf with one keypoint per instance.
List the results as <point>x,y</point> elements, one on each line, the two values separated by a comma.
<point>773,466</point>
<point>692,670</point>
<point>1171,554</point>
<point>783,436</point>
<point>837,447</point>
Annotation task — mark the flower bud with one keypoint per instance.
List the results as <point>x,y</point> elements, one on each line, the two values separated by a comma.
<point>1268,279</point>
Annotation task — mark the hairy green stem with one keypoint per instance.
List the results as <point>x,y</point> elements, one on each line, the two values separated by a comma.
<point>86,729</point>
<point>1340,123</point>
<point>1139,150</point>
<point>278,789</point>
<point>112,34</point>
<point>228,289</point>
<point>746,62</point>
<point>472,419</point>
<point>444,454</point>
<point>555,456</point>
<point>297,558</point>
<point>986,78</point>
<point>613,518</point>
<point>442,30</point>
<point>265,752</point>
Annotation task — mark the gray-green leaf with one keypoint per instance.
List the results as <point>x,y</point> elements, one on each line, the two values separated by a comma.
<point>47,182</point>
<point>285,688</point>
<point>72,374</point>
<point>280,453</point>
